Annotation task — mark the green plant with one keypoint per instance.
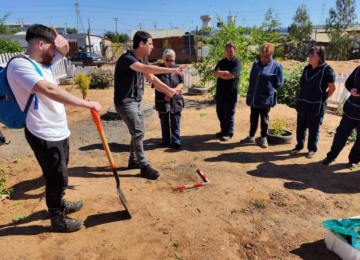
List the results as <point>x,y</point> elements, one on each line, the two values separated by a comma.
<point>101,79</point>
<point>7,46</point>
<point>258,204</point>
<point>69,88</point>
<point>148,181</point>
<point>289,90</point>
<point>3,179</point>
<point>277,126</point>
<point>340,110</point>
<point>18,218</point>
<point>83,81</point>
<point>203,114</point>
<point>352,137</point>
<point>17,160</point>
<point>196,157</point>
<point>176,244</point>
<point>198,85</point>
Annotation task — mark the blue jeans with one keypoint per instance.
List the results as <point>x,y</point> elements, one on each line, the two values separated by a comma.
<point>342,133</point>
<point>170,121</point>
<point>133,116</point>
<point>226,113</point>
<point>313,123</point>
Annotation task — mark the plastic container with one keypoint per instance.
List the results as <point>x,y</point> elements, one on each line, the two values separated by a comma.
<point>340,246</point>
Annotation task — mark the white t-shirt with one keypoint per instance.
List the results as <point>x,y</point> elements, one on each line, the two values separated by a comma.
<point>49,121</point>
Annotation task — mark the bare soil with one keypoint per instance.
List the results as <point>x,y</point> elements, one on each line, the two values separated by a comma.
<point>261,203</point>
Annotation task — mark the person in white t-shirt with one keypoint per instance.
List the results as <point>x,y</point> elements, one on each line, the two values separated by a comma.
<point>46,128</point>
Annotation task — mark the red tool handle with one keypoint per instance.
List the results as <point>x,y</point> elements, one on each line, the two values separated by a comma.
<point>96,119</point>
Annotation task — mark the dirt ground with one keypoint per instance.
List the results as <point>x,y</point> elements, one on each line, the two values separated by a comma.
<point>260,204</point>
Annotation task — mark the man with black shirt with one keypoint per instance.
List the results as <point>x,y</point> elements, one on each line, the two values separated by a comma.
<point>129,89</point>
<point>227,72</point>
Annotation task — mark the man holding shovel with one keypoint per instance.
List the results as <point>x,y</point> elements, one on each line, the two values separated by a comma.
<point>46,128</point>
<point>129,90</point>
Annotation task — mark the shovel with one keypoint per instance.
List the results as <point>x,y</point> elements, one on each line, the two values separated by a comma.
<point>96,119</point>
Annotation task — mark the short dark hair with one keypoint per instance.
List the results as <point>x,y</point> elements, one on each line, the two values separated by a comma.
<point>41,32</point>
<point>140,36</point>
<point>320,50</point>
<point>230,44</point>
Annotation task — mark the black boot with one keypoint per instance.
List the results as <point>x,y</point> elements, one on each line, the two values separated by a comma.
<point>71,207</point>
<point>61,222</point>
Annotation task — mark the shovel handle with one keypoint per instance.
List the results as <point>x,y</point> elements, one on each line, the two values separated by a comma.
<point>96,119</point>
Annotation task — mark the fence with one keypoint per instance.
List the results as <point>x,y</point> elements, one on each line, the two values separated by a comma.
<point>341,92</point>
<point>192,77</point>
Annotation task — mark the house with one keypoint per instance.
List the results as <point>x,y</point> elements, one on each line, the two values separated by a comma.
<point>176,39</point>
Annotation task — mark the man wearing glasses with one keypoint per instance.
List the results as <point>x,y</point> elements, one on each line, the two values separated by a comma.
<point>227,72</point>
<point>128,93</point>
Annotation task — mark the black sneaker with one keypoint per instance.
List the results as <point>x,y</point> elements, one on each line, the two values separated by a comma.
<point>352,166</point>
<point>164,144</point>
<point>133,165</point>
<point>327,161</point>
<point>177,146</point>
<point>61,222</point>
<point>149,172</point>
<point>71,207</point>
<point>220,134</point>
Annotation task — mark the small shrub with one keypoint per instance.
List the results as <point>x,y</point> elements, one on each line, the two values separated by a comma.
<point>101,79</point>
<point>352,137</point>
<point>289,90</point>
<point>340,110</point>
<point>83,81</point>
<point>3,179</point>
<point>277,126</point>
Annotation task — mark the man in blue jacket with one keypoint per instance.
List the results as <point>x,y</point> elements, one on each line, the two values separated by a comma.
<point>227,72</point>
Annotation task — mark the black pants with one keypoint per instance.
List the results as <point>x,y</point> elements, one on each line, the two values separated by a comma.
<point>225,111</point>
<point>263,112</point>
<point>53,158</point>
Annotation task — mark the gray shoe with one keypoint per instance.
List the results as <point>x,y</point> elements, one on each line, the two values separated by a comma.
<point>71,207</point>
<point>225,138</point>
<point>352,166</point>
<point>149,172</point>
<point>248,140</point>
<point>310,154</point>
<point>61,222</point>
<point>264,143</point>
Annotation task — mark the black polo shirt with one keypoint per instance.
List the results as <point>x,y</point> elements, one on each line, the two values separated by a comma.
<point>228,89</point>
<point>129,84</point>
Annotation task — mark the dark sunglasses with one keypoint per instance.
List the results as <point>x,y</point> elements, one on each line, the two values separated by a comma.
<point>168,60</point>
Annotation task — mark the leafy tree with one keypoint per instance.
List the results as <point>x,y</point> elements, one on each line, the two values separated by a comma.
<point>71,30</point>
<point>272,21</point>
<point>206,30</point>
<point>299,30</point>
<point>3,27</point>
<point>7,46</point>
<point>114,37</point>
<point>166,44</point>
<point>15,30</point>
<point>123,37</point>
<point>269,29</point>
<point>340,18</point>
<point>226,34</point>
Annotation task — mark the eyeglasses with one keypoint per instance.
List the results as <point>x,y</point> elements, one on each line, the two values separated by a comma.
<point>169,60</point>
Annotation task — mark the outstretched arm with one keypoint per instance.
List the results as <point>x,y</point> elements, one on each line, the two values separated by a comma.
<point>60,95</point>
<point>150,69</point>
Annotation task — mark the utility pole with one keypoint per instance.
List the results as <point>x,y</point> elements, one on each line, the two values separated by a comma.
<point>170,26</point>
<point>140,26</point>
<point>116,25</point>
<point>89,32</point>
<point>155,25</point>
<point>196,45</point>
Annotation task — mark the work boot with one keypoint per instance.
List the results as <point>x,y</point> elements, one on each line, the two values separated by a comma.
<point>61,222</point>
<point>71,207</point>
<point>264,142</point>
<point>248,140</point>
<point>133,165</point>
<point>149,172</point>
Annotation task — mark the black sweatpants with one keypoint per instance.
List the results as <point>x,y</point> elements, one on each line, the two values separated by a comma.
<point>53,158</point>
<point>263,112</point>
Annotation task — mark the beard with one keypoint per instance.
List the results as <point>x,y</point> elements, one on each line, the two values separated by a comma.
<point>47,59</point>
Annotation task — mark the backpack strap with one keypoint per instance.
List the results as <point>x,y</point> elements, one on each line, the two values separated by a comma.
<point>31,97</point>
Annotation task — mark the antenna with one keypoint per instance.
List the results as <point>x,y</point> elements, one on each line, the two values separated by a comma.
<point>155,25</point>
<point>321,21</point>
<point>79,21</point>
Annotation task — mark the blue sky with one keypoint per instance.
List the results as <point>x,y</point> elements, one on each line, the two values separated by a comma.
<point>182,14</point>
